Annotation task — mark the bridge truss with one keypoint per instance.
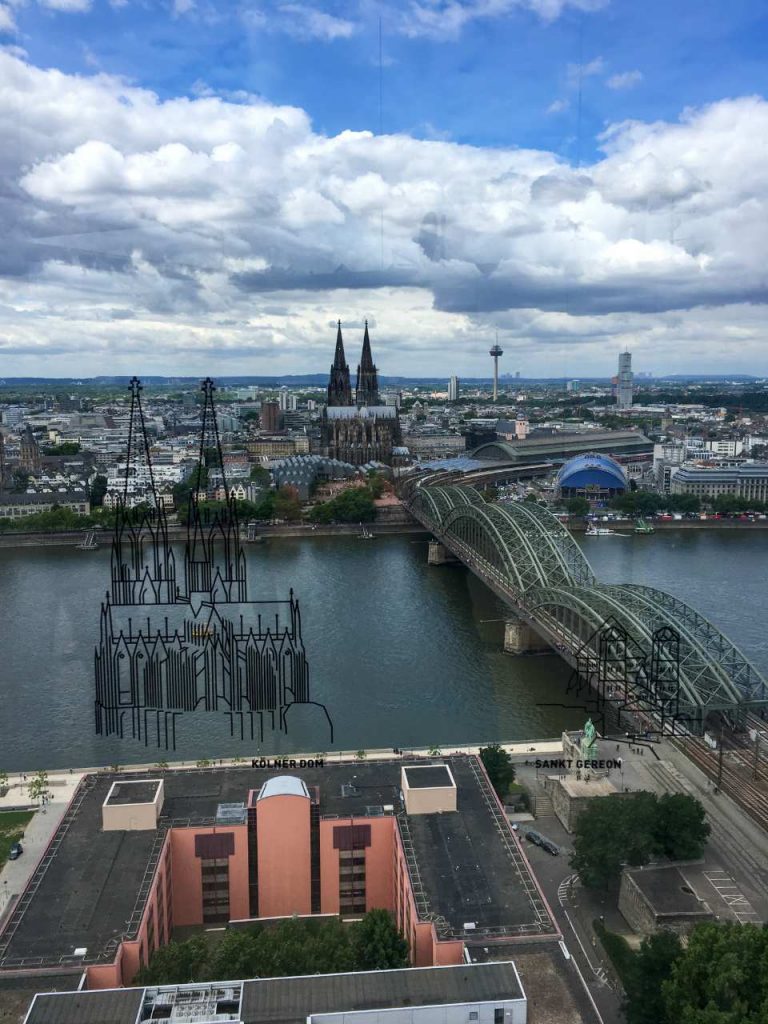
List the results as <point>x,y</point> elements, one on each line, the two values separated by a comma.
<point>662,655</point>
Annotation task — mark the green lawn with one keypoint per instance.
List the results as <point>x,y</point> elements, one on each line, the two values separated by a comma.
<point>12,825</point>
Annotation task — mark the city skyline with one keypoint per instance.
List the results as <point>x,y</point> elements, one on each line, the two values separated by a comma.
<point>220,213</point>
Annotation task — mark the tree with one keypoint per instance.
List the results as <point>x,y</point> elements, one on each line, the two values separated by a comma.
<point>721,978</point>
<point>651,966</point>
<point>38,786</point>
<point>684,502</point>
<point>98,490</point>
<point>3,780</point>
<point>377,944</point>
<point>498,765</point>
<point>577,506</point>
<point>680,829</point>
<point>286,504</point>
<point>490,493</point>
<point>178,963</point>
<point>353,505</point>
<point>610,832</point>
<point>292,946</point>
<point>259,475</point>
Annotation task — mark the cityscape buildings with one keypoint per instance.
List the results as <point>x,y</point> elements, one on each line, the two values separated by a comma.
<point>364,430</point>
<point>624,382</point>
<point>495,353</point>
<point>453,389</point>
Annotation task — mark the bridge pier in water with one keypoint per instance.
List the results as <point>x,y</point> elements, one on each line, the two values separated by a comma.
<point>438,554</point>
<point>520,638</point>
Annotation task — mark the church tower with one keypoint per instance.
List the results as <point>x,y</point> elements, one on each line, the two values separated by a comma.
<point>29,452</point>
<point>367,376</point>
<point>339,387</point>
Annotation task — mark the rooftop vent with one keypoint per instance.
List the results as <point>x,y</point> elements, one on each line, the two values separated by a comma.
<point>374,811</point>
<point>349,789</point>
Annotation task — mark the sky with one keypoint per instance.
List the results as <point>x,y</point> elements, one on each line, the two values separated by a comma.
<point>206,186</point>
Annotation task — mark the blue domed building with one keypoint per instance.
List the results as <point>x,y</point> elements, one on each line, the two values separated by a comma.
<point>593,476</point>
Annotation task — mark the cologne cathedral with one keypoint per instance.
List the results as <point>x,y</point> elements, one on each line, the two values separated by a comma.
<point>188,637</point>
<point>362,429</point>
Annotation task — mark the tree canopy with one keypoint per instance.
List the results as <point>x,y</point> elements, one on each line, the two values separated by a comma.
<point>293,946</point>
<point>614,831</point>
<point>353,505</point>
<point>499,766</point>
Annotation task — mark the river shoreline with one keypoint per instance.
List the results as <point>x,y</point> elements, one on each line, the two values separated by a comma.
<point>103,538</point>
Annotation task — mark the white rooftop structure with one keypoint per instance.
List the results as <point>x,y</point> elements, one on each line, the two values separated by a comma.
<point>283,785</point>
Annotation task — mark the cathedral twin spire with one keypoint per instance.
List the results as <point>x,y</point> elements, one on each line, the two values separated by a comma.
<point>339,386</point>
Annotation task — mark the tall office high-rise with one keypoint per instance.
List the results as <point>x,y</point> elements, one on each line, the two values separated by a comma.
<point>453,389</point>
<point>624,382</point>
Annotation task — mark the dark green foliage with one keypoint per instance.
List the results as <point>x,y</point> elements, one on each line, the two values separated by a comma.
<point>577,506</point>
<point>498,764</point>
<point>98,490</point>
<point>680,829</point>
<point>259,475</point>
<point>614,831</point>
<point>377,944</point>
<point>293,946</point>
<point>650,967</point>
<point>611,832</point>
<point>179,961</point>
<point>354,505</point>
<point>66,448</point>
<point>618,950</point>
<point>721,978</point>
<point>287,504</point>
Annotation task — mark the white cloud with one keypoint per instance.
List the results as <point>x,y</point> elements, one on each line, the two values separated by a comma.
<point>577,72</point>
<point>558,106</point>
<point>625,80</point>
<point>232,228</point>
<point>7,21</point>
<point>183,6</point>
<point>68,6</point>
<point>308,23</point>
<point>445,19</point>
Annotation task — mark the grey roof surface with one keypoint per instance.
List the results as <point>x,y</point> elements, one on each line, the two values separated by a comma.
<point>465,868</point>
<point>141,792</point>
<point>114,1006</point>
<point>428,776</point>
<point>662,887</point>
<point>88,891</point>
<point>292,1000</point>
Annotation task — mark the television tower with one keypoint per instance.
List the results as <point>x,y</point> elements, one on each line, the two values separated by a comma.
<point>496,352</point>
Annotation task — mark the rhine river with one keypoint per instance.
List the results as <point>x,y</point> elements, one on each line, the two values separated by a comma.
<point>401,654</point>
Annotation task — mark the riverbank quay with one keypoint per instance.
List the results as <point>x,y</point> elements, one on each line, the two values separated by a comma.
<point>675,524</point>
<point>302,530</point>
<point>16,797</point>
<point>178,533</point>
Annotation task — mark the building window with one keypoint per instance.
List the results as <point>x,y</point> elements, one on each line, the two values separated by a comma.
<point>352,881</point>
<point>473,1015</point>
<point>498,1015</point>
<point>215,873</point>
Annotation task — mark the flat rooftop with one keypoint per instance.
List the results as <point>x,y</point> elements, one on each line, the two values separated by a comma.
<point>139,792</point>
<point>428,777</point>
<point>88,891</point>
<point>667,891</point>
<point>293,1000</point>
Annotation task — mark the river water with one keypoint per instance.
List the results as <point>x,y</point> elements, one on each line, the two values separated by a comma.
<point>400,653</point>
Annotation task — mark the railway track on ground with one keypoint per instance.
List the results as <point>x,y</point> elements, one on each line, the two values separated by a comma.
<point>734,775</point>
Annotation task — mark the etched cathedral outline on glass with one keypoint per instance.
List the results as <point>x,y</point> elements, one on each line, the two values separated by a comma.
<point>188,639</point>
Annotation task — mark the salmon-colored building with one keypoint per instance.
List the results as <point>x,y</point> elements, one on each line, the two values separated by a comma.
<point>420,840</point>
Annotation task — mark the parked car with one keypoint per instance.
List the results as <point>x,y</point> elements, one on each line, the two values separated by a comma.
<point>15,852</point>
<point>550,847</point>
<point>534,837</point>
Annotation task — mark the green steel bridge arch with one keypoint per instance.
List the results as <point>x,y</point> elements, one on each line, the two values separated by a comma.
<point>531,558</point>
